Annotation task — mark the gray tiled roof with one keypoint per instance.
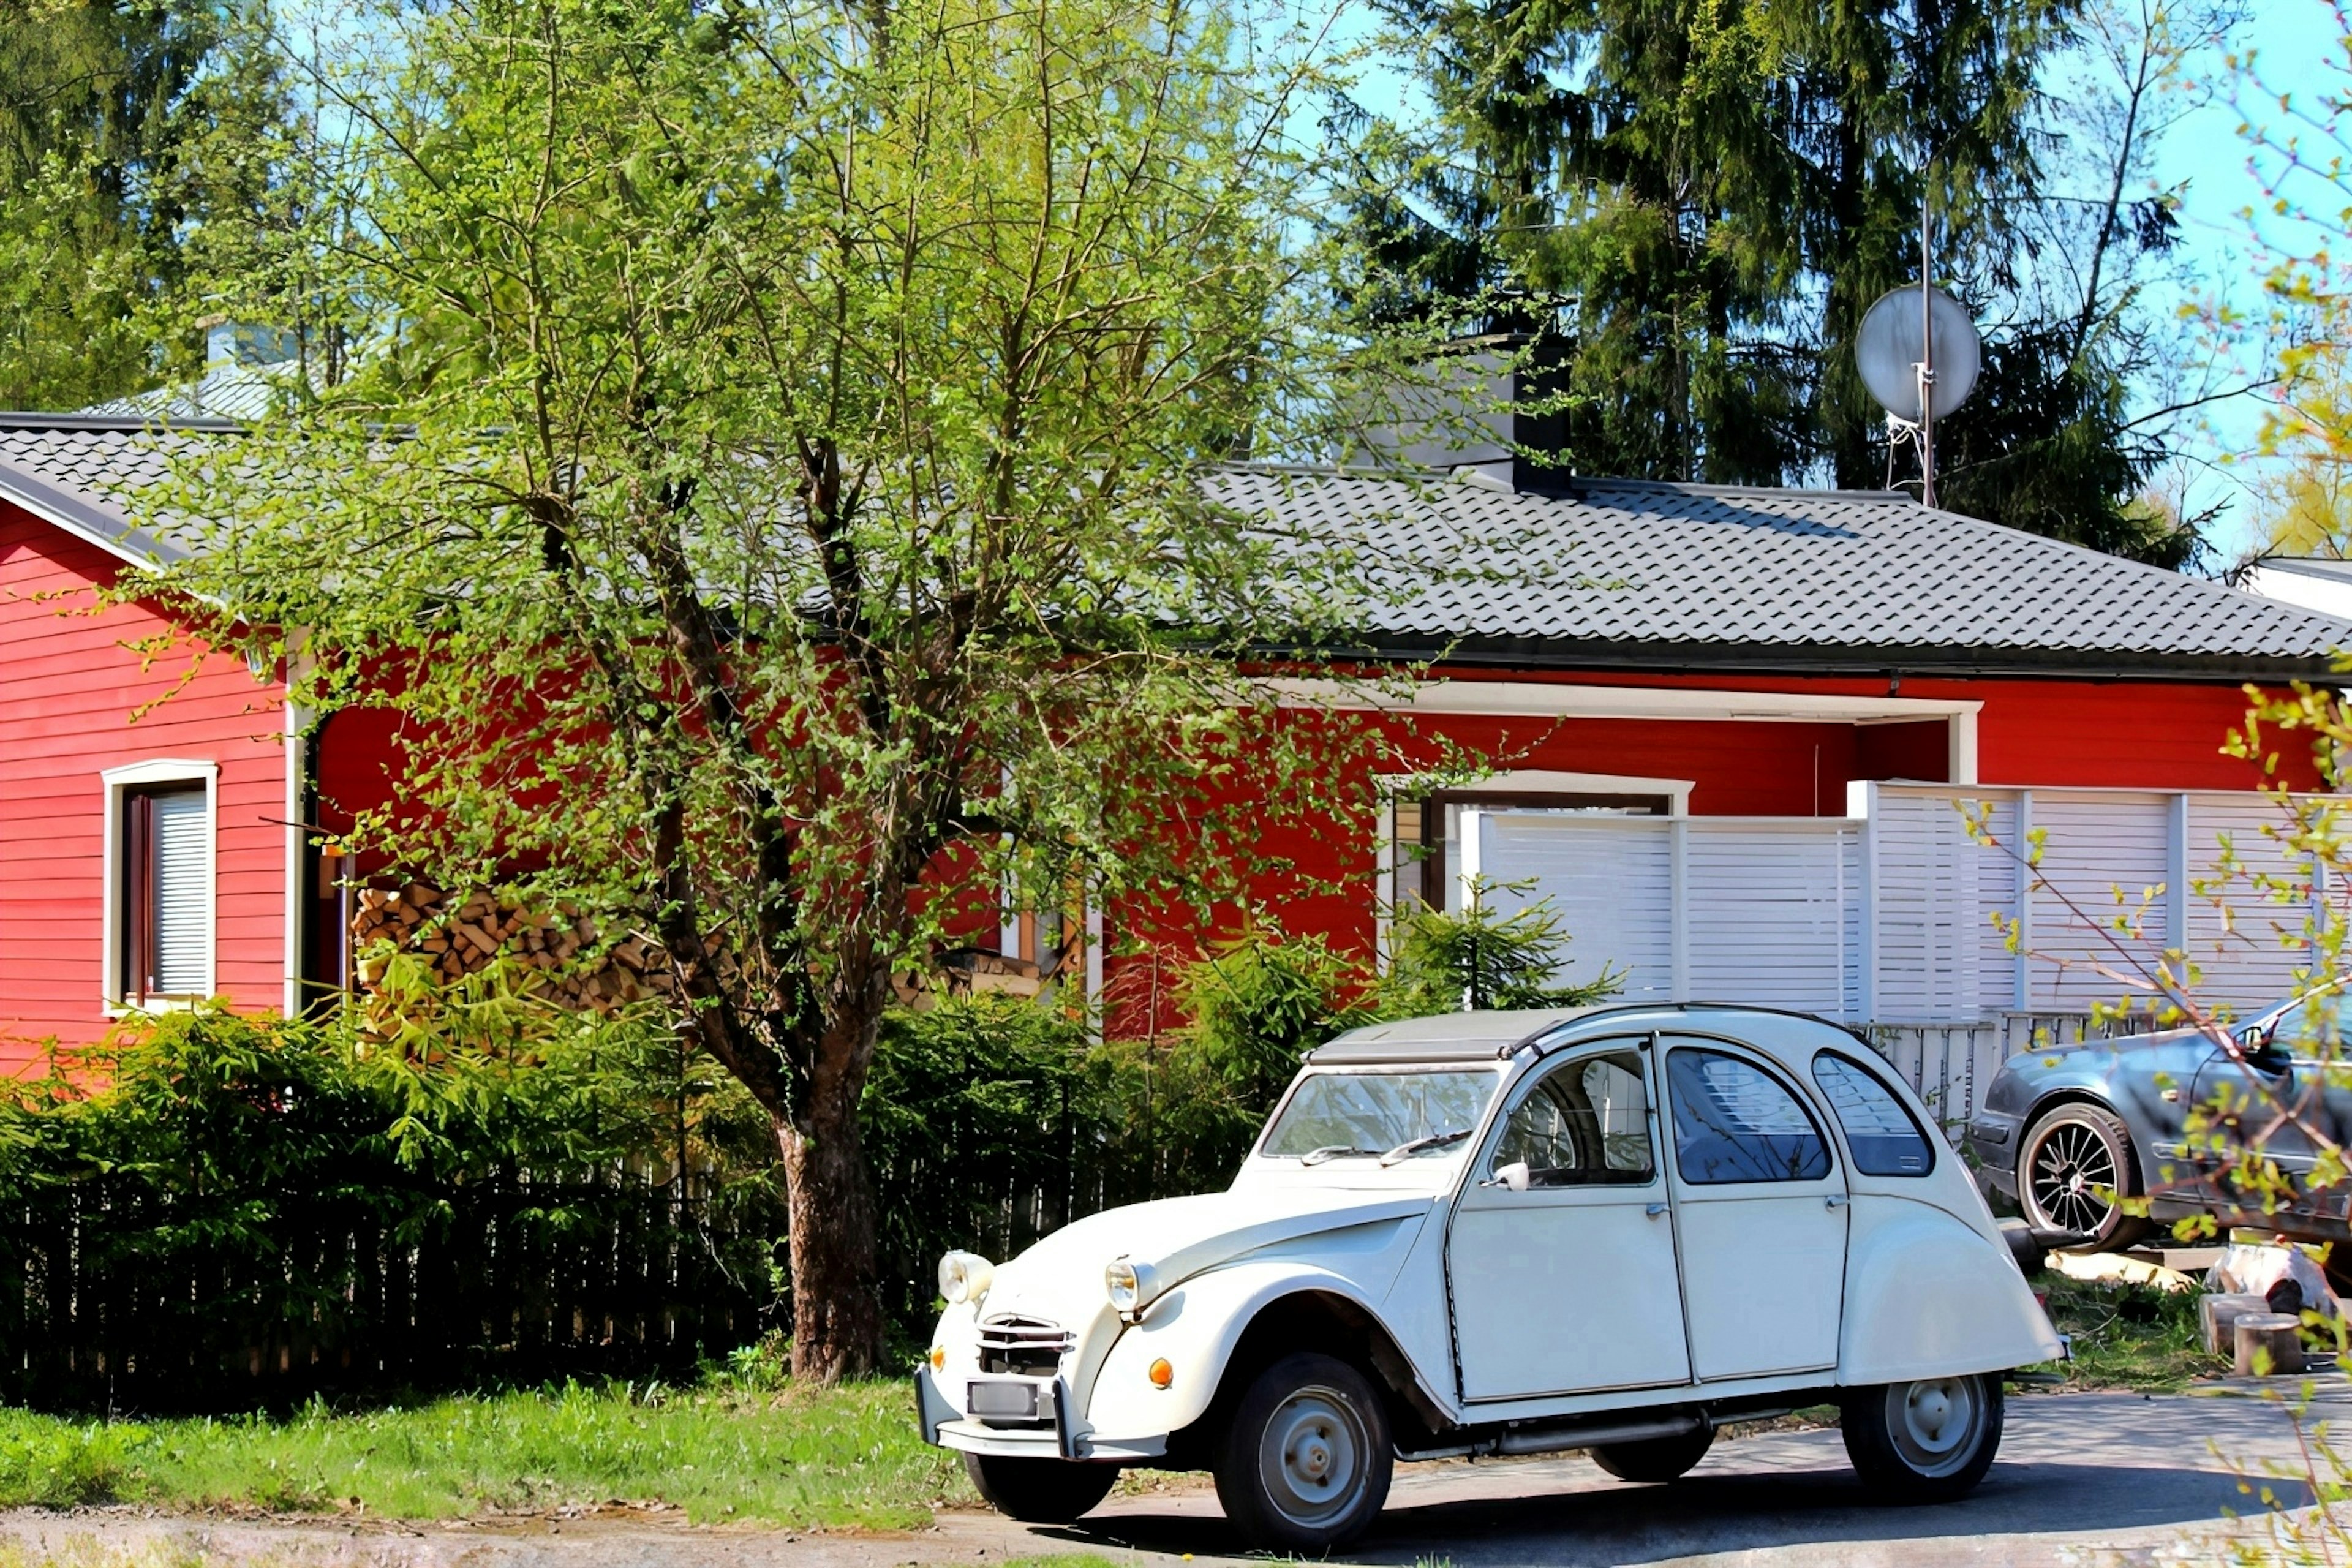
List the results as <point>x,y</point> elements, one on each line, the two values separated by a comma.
<point>1615,572</point>
<point>73,467</point>
<point>1632,573</point>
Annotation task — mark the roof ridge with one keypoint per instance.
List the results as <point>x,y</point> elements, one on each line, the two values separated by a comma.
<point>118,424</point>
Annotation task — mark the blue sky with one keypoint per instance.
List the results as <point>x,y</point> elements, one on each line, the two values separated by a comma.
<point>2295,42</point>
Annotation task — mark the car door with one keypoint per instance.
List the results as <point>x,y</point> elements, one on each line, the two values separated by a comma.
<point>1561,1260</point>
<point>2300,1065</point>
<point>1760,1216</point>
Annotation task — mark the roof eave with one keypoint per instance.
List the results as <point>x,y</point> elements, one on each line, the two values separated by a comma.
<point>1769,659</point>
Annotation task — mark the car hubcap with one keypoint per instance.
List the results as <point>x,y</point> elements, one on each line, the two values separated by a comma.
<point>2072,1167</point>
<point>1936,1424</point>
<point>1312,1455</point>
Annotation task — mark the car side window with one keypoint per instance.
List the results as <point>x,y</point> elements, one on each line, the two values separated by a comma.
<point>1735,1122</point>
<point>1585,1123</point>
<point>1883,1135</point>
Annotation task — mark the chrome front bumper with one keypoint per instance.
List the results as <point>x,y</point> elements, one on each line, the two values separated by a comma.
<point>1055,1432</point>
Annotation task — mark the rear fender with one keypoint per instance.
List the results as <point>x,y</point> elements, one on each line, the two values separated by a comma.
<point>1195,1328</point>
<point>1926,1296</point>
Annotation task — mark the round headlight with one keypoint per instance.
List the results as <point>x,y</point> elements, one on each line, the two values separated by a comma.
<point>964,1277</point>
<point>1125,1285</point>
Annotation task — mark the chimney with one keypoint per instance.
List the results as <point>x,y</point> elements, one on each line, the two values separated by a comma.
<point>1478,412</point>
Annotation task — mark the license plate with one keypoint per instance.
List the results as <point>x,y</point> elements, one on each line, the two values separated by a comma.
<point>1013,1400</point>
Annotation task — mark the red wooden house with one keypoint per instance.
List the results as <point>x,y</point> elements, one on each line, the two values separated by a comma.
<point>1728,729</point>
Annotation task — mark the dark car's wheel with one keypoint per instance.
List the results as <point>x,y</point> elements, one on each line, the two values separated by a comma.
<point>1928,1441</point>
<point>1656,1458</point>
<point>2072,1167</point>
<point>1306,1463</point>
<point>1039,1492</point>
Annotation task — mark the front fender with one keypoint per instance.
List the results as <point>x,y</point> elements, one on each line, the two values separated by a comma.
<point>1926,1296</point>
<point>1195,1328</point>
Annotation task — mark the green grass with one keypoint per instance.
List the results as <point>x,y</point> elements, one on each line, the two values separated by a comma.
<point>840,1457</point>
<point>2128,1336</point>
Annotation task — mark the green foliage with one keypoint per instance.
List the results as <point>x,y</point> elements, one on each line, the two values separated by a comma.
<point>244,1209</point>
<point>1259,1001</point>
<point>1445,962</point>
<point>124,125</point>
<point>809,1459</point>
<point>803,413</point>
<point>1693,205</point>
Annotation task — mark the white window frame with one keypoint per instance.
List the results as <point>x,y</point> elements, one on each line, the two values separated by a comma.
<point>118,783</point>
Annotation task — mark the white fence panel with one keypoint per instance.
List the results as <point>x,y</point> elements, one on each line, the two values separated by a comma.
<point>1610,879</point>
<point>2250,920</point>
<point>1939,955</point>
<point>1769,911</point>
<point>2106,858</point>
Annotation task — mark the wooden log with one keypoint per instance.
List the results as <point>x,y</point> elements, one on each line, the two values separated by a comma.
<point>2217,1318</point>
<point>2269,1344</point>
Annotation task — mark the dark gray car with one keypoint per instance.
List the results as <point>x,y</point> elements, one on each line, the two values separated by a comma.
<point>2062,1131</point>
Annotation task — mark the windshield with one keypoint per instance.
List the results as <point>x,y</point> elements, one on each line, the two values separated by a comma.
<point>1363,1115</point>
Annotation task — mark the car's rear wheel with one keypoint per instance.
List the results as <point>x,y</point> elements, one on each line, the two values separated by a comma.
<point>1928,1441</point>
<point>1306,1463</point>
<point>1656,1458</point>
<point>1039,1492</point>
<point>2073,1167</point>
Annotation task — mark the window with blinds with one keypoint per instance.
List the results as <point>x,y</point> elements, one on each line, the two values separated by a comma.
<point>166,893</point>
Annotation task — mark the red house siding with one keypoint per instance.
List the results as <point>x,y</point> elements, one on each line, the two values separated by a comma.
<point>70,683</point>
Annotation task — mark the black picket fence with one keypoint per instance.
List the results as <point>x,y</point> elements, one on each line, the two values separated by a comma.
<point>120,1299</point>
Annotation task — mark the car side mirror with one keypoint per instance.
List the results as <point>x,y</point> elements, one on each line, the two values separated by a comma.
<point>2260,1044</point>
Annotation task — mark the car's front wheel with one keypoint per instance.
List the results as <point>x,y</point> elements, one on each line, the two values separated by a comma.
<point>1928,1441</point>
<point>1656,1458</point>
<point>1306,1463</point>
<point>1039,1492</point>
<point>2073,1167</point>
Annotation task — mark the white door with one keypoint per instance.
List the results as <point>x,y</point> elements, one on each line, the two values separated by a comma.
<point>1561,1262</point>
<point>1760,1209</point>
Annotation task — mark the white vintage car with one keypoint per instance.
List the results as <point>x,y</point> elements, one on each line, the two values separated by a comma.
<point>1612,1229</point>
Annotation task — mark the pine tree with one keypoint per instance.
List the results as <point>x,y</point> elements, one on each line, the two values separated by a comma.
<point>1696,200</point>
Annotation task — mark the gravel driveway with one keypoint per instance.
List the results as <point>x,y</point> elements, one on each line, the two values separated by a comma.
<point>2083,1478</point>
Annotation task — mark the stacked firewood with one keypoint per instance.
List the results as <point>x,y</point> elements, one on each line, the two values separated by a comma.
<point>461,937</point>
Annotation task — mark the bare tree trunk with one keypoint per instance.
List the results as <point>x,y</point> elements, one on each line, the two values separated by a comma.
<point>836,1300</point>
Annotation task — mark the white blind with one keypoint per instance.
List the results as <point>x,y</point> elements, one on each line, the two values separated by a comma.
<point>1610,879</point>
<point>1767,905</point>
<point>183,902</point>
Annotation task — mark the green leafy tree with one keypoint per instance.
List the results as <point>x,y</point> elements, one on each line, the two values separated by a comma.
<point>771,492</point>
<point>103,106</point>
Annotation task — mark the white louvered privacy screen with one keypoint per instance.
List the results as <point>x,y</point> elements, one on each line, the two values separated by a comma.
<point>1887,917</point>
<point>168,895</point>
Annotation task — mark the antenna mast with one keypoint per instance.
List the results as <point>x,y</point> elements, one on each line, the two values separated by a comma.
<point>1927,358</point>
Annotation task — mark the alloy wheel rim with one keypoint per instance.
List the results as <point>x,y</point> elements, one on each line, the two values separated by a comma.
<point>1937,1423</point>
<point>1311,1456</point>
<point>2071,1165</point>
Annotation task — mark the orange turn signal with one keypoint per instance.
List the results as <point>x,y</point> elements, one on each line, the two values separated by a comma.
<point>938,1357</point>
<point>1162,1375</point>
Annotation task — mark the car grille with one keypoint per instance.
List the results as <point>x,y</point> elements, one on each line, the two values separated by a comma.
<point>1028,1346</point>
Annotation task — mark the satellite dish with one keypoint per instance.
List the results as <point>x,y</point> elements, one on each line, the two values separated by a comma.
<point>1887,351</point>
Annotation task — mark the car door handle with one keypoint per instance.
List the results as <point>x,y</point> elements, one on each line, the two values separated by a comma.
<point>1655,1210</point>
<point>1835,1201</point>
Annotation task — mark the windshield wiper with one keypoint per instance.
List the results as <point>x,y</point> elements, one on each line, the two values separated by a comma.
<point>1434,1141</point>
<point>1337,1152</point>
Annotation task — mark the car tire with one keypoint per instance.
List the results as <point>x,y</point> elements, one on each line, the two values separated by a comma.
<point>1655,1459</point>
<point>1305,1464</point>
<point>1929,1441</point>
<point>1039,1492</point>
<point>2064,1160</point>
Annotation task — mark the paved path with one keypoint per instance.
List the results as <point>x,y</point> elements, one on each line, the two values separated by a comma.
<point>2085,1479</point>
